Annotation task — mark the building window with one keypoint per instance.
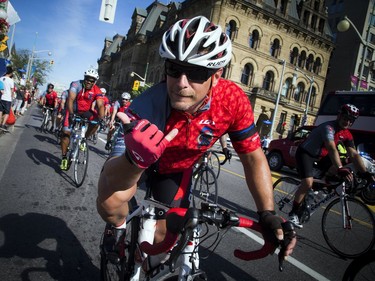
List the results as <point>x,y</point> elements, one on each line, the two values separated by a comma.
<point>310,62</point>
<point>287,88</point>
<point>299,91</point>
<point>317,66</point>
<point>302,59</point>
<point>231,29</point>
<point>247,74</point>
<point>268,81</point>
<point>294,56</point>
<point>254,39</point>
<point>275,48</point>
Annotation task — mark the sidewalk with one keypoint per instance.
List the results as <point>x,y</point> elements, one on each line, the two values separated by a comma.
<point>8,141</point>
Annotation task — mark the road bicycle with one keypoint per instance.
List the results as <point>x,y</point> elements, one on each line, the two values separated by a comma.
<point>361,268</point>
<point>348,224</point>
<point>205,187</point>
<point>78,153</point>
<point>47,119</point>
<point>114,137</point>
<point>177,255</point>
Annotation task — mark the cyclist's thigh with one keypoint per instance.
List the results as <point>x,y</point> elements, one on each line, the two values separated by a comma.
<point>305,164</point>
<point>172,189</point>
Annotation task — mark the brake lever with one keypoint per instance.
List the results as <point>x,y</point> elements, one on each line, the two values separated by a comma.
<point>289,234</point>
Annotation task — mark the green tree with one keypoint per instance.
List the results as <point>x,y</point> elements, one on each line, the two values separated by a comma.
<point>42,66</point>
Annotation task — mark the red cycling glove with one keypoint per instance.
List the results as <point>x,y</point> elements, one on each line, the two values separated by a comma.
<point>144,142</point>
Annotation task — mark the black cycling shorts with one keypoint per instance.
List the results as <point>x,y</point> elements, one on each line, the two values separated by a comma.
<point>171,189</point>
<point>305,163</point>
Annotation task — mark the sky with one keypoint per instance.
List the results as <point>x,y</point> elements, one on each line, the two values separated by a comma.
<point>71,31</point>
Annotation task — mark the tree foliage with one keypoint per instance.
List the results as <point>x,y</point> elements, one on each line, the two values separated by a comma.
<point>41,65</point>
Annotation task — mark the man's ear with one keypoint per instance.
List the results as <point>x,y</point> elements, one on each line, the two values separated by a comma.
<point>217,76</point>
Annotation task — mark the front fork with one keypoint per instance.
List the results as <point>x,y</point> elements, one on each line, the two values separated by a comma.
<point>346,217</point>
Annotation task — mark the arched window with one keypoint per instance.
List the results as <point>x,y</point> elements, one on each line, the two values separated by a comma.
<point>268,81</point>
<point>231,29</point>
<point>294,56</point>
<point>275,48</point>
<point>310,62</point>
<point>287,88</point>
<point>317,66</point>
<point>254,39</point>
<point>300,89</point>
<point>313,96</point>
<point>247,74</point>
<point>302,59</point>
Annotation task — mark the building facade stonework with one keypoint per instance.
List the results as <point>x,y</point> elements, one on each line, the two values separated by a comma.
<point>267,37</point>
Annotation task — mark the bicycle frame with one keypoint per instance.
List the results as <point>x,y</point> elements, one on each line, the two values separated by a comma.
<point>187,263</point>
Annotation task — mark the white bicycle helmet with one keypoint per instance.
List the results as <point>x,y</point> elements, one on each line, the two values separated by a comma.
<point>125,95</point>
<point>92,73</point>
<point>103,90</point>
<point>350,110</point>
<point>197,41</point>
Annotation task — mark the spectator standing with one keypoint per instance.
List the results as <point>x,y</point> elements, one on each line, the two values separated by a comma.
<point>20,92</point>
<point>25,101</point>
<point>6,97</point>
<point>266,143</point>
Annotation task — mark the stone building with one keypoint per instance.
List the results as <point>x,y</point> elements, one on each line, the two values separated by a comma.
<point>281,51</point>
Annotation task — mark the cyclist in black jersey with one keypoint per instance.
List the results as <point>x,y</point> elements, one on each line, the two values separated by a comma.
<point>322,142</point>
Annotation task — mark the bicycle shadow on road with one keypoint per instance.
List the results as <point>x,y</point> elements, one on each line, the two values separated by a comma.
<point>46,138</point>
<point>99,152</point>
<point>42,157</point>
<point>42,245</point>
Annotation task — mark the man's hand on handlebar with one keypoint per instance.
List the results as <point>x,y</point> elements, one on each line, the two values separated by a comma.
<point>283,232</point>
<point>145,143</point>
<point>227,153</point>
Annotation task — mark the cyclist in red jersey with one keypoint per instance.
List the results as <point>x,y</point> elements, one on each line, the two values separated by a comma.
<point>178,120</point>
<point>117,107</point>
<point>81,95</point>
<point>49,99</point>
<point>322,142</point>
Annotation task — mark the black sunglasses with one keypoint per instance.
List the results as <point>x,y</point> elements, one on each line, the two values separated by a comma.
<point>90,80</point>
<point>349,118</point>
<point>193,73</point>
<point>125,99</point>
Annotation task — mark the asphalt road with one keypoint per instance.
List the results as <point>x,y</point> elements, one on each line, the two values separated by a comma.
<point>50,230</point>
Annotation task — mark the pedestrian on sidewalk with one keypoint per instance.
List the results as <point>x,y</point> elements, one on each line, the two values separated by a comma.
<point>6,97</point>
<point>20,91</point>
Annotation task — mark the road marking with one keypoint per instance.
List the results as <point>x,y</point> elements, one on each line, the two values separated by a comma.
<point>291,260</point>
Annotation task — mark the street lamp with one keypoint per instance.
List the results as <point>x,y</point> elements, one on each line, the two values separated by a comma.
<point>311,80</point>
<point>31,60</point>
<point>140,77</point>
<point>277,99</point>
<point>343,26</point>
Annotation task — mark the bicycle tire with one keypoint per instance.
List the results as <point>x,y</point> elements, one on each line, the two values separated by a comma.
<point>361,268</point>
<point>43,126</point>
<point>351,242</point>
<point>80,165</point>
<point>214,164</point>
<point>284,189</point>
<point>125,269</point>
<point>203,191</point>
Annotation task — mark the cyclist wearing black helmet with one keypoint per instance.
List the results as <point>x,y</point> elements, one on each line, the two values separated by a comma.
<point>322,142</point>
<point>49,99</point>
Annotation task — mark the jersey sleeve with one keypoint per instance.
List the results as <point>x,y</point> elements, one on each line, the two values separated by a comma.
<point>242,132</point>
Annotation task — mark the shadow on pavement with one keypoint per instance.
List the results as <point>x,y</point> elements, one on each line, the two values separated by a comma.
<point>47,240</point>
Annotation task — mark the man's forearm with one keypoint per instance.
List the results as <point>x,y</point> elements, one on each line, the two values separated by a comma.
<point>117,185</point>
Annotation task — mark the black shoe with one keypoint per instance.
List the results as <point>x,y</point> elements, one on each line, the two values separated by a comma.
<point>112,239</point>
<point>108,146</point>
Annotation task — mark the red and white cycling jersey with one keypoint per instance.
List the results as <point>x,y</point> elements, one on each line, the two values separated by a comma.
<point>84,98</point>
<point>227,110</point>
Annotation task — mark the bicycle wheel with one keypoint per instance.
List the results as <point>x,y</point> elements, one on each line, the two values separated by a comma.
<point>358,237</point>
<point>203,191</point>
<point>283,190</point>
<point>43,127</point>
<point>125,268</point>
<point>214,163</point>
<point>361,268</point>
<point>80,164</point>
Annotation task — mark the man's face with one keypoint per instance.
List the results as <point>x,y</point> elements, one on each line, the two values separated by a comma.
<point>124,101</point>
<point>189,85</point>
<point>345,121</point>
<point>89,82</point>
